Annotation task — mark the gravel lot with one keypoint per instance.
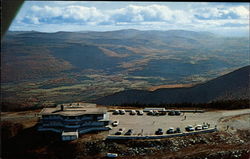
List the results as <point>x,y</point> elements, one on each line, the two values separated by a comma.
<point>149,124</point>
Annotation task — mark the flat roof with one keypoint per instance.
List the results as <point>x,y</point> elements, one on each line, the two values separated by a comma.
<point>147,109</point>
<point>72,133</point>
<point>74,110</point>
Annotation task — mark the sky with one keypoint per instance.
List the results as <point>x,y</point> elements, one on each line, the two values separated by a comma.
<point>229,19</point>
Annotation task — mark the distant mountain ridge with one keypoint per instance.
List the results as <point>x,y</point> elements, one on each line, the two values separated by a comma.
<point>38,67</point>
<point>133,49</point>
<point>232,86</point>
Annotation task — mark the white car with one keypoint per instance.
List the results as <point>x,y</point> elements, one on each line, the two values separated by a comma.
<point>115,123</point>
<point>140,112</point>
<point>133,112</point>
<point>122,112</point>
<point>198,127</point>
<point>204,126</point>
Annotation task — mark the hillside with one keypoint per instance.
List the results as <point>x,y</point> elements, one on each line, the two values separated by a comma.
<point>234,85</point>
<point>39,68</point>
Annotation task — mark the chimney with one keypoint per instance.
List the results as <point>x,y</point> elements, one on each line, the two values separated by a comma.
<point>62,107</point>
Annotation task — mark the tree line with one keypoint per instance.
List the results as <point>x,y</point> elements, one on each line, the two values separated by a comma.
<point>220,104</point>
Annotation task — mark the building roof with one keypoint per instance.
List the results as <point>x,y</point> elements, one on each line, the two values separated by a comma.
<point>159,109</point>
<point>72,133</point>
<point>74,110</point>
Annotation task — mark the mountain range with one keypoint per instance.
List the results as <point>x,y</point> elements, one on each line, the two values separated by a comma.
<point>38,67</point>
<point>175,54</point>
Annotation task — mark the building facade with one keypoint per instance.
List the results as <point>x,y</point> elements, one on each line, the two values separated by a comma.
<point>73,119</point>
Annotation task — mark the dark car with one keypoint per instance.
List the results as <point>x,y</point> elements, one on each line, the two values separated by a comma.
<point>171,113</point>
<point>162,113</point>
<point>177,130</point>
<point>120,131</point>
<point>150,112</point>
<point>189,128</point>
<point>159,132</point>
<point>177,113</point>
<point>129,132</point>
<point>116,112</point>
<point>170,131</point>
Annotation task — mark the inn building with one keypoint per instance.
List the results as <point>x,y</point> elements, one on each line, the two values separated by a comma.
<point>73,119</point>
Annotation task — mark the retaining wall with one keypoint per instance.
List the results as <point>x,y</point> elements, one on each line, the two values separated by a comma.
<point>123,137</point>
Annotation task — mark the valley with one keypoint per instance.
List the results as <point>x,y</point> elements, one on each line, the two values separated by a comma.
<point>40,69</point>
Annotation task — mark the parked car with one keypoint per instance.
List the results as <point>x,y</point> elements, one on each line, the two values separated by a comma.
<point>150,112</point>
<point>122,112</point>
<point>162,113</point>
<point>177,130</point>
<point>112,155</point>
<point>115,112</point>
<point>140,112</point>
<point>198,127</point>
<point>129,132</point>
<point>177,112</point>
<point>133,112</point>
<point>204,126</point>
<point>155,112</point>
<point>171,113</point>
<point>170,130</point>
<point>159,132</point>
<point>189,128</point>
<point>120,131</point>
<point>115,123</point>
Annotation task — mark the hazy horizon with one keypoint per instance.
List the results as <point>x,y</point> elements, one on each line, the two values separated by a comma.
<point>85,31</point>
<point>223,19</point>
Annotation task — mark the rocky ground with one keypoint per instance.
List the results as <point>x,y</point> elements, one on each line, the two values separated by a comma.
<point>214,145</point>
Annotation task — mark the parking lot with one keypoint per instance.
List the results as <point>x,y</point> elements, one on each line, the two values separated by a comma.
<point>148,124</point>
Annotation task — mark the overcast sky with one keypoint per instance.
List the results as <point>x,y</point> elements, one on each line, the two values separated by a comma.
<point>230,19</point>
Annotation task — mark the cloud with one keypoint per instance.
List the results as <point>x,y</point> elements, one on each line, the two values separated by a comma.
<point>68,14</point>
<point>207,13</point>
<point>241,11</point>
<point>91,15</point>
<point>156,16</point>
